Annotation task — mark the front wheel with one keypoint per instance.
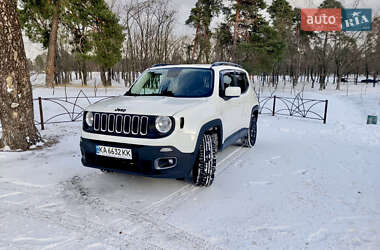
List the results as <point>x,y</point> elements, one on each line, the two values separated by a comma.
<point>204,167</point>
<point>250,140</point>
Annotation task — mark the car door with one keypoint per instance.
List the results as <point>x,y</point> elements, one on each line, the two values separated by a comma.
<point>229,107</point>
<point>243,102</point>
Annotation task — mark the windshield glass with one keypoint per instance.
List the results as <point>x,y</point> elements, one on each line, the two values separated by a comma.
<point>176,82</point>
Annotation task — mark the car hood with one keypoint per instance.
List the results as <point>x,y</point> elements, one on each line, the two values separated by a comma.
<point>147,105</point>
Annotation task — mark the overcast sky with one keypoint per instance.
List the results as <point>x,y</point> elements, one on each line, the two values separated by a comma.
<point>184,6</point>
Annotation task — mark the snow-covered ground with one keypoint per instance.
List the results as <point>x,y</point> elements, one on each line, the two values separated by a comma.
<point>305,185</point>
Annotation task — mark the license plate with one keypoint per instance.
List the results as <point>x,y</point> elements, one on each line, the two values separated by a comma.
<point>121,153</point>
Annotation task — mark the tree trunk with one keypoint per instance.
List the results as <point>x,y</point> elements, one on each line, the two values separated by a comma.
<point>195,44</point>
<point>16,104</point>
<point>109,77</point>
<point>338,74</point>
<point>236,31</point>
<point>84,73</point>
<point>103,76</point>
<point>356,77</point>
<point>374,79</point>
<point>322,80</point>
<point>50,68</point>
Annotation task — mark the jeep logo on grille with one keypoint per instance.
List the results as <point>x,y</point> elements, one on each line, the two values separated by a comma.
<point>120,110</point>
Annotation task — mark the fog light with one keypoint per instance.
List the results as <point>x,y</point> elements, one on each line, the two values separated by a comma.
<point>165,163</point>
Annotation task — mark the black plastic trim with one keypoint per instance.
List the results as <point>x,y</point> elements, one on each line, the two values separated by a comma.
<point>205,128</point>
<point>161,65</point>
<point>152,132</point>
<point>143,158</point>
<point>235,137</point>
<point>226,63</point>
<point>255,109</point>
<point>209,125</point>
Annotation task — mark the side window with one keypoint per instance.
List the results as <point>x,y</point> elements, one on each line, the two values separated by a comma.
<point>226,80</point>
<point>242,81</point>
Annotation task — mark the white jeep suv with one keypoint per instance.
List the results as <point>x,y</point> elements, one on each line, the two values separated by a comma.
<point>171,122</point>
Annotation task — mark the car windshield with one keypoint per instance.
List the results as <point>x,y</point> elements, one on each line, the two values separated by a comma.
<point>175,82</point>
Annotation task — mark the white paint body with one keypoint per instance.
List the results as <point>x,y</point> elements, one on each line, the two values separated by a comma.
<point>234,113</point>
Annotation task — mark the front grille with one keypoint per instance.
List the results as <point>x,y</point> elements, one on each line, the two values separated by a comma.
<point>125,125</point>
<point>135,125</point>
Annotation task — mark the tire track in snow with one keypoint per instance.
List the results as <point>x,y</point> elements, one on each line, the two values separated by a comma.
<point>189,190</point>
<point>142,229</point>
<point>86,228</point>
<point>139,230</point>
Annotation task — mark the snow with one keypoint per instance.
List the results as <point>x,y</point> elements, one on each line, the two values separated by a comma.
<point>305,185</point>
<point>6,148</point>
<point>38,80</point>
<point>14,105</point>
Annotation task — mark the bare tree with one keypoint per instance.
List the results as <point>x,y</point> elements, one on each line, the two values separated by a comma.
<point>150,37</point>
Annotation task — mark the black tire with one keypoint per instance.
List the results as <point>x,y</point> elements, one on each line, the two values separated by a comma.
<point>250,140</point>
<point>204,167</point>
<point>106,171</point>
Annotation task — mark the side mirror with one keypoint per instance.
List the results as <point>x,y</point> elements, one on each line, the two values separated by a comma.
<point>232,92</point>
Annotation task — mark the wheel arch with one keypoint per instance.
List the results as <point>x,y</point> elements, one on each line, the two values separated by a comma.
<point>255,111</point>
<point>206,128</point>
<point>213,126</point>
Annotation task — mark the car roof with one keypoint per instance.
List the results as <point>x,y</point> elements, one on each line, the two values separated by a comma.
<point>200,66</point>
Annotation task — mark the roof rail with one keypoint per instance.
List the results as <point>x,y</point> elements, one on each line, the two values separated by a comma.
<point>226,63</point>
<point>160,64</point>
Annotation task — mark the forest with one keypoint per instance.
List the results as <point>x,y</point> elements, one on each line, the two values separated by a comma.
<point>119,39</point>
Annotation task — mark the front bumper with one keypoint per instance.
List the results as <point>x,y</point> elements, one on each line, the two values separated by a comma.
<point>144,160</point>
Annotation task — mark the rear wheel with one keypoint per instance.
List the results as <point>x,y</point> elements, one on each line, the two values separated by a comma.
<point>204,167</point>
<point>250,140</point>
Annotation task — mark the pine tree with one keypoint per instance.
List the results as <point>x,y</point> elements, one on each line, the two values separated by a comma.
<point>323,44</point>
<point>287,24</point>
<point>245,16</point>
<point>40,20</point>
<point>16,105</point>
<point>80,20</point>
<point>200,18</point>
<point>283,17</point>
<point>95,34</point>
<point>247,38</point>
<point>108,40</point>
<point>224,42</point>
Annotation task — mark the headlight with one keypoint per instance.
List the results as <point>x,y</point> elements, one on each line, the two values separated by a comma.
<point>89,119</point>
<point>163,124</point>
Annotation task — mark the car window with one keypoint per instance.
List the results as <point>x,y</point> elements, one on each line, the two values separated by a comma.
<point>227,80</point>
<point>233,79</point>
<point>242,81</point>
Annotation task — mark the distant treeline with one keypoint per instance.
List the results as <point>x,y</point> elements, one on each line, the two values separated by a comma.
<point>122,37</point>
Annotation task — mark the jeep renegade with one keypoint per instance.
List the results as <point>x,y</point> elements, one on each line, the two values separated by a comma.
<point>171,122</point>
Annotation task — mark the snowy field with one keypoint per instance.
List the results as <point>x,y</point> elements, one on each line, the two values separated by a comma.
<point>305,185</point>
